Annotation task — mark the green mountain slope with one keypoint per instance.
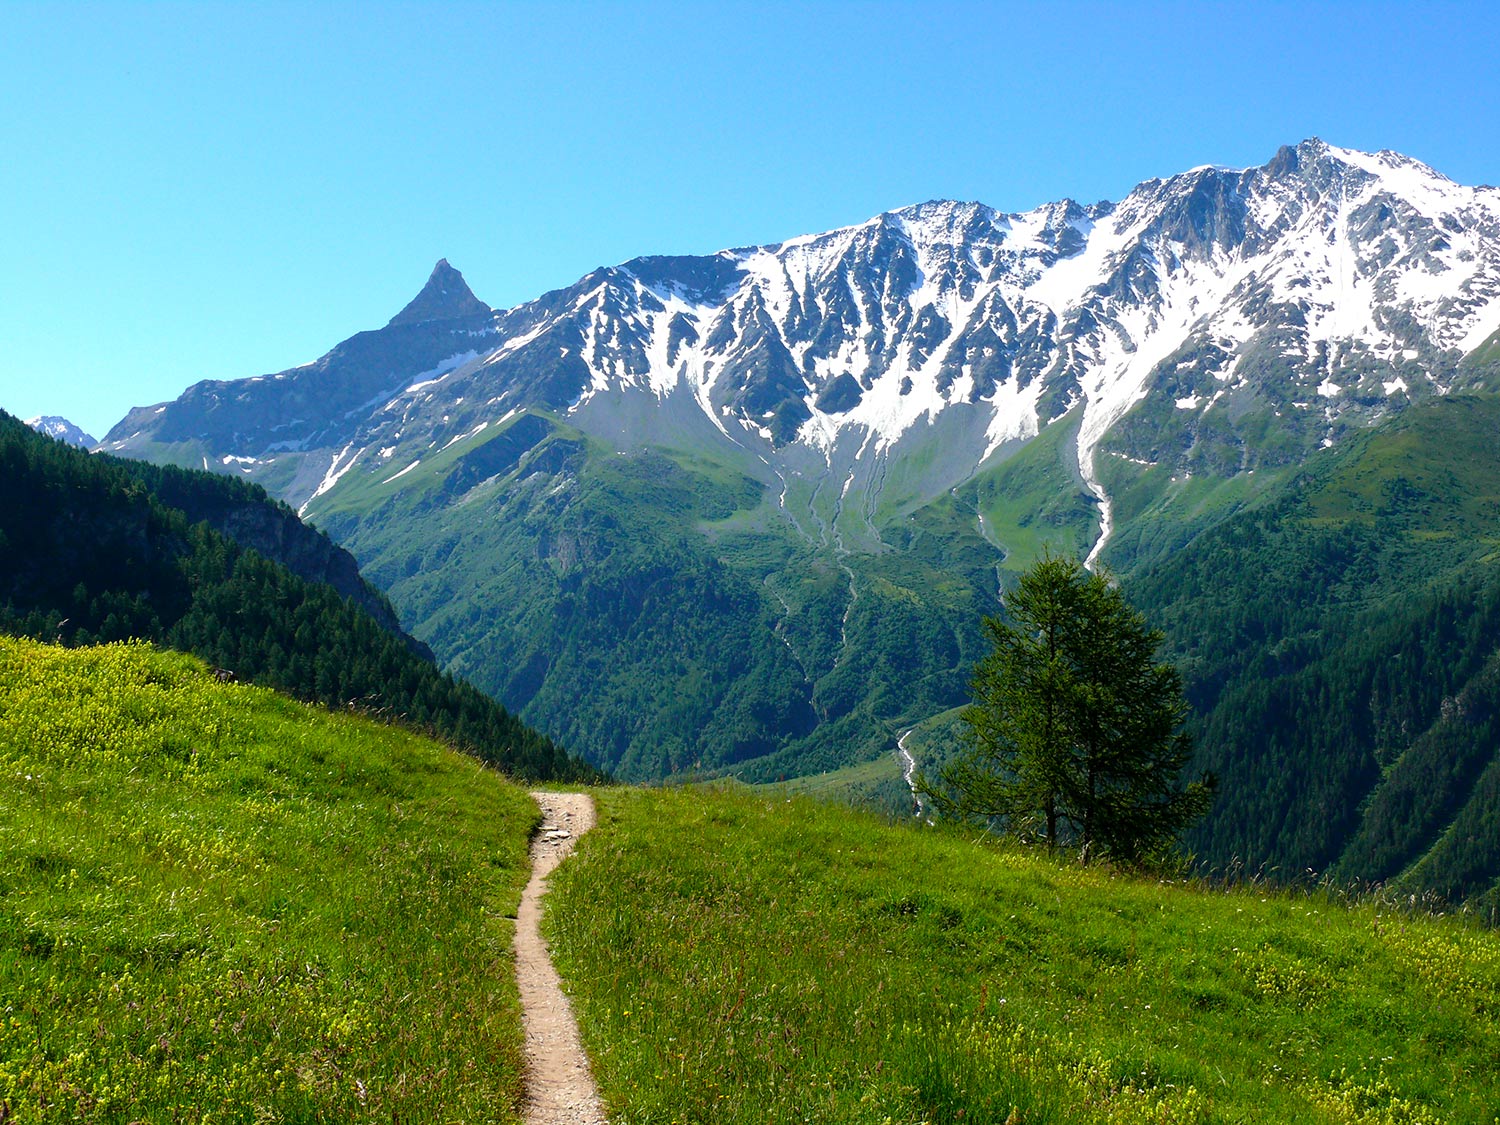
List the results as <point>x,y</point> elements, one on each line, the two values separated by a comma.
<point>1340,644</point>
<point>88,552</point>
<point>661,610</point>
<point>244,513</point>
<point>220,905</point>
<point>741,513</point>
<point>750,958</point>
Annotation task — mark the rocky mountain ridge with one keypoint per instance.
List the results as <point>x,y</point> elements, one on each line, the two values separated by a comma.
<point>55,426</point>
<point>743,511</point>
<point>1324,289</point>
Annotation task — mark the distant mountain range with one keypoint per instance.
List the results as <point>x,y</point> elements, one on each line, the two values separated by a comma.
<point>1325,288</point>
<point>62,430</point>
<point>742,512</point>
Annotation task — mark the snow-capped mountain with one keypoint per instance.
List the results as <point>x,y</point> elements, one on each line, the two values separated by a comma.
<point>1326,287</point>
<point>746,512</point>
<point>60,428</point>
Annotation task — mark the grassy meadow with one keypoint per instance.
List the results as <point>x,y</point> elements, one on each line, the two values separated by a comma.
<point>742,957</point>
<point>217,905</point>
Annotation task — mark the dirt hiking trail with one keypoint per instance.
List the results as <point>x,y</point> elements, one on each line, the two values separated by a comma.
<point>559,1086</point>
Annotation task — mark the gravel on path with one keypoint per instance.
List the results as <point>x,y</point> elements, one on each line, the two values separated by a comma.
<point>559,1085</point>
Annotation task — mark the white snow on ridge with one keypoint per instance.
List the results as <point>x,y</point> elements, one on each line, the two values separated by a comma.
<point>663,377</point>
<point>335,473</point>
<point>452,363</point>
<point>1317,267</point>
<point>1428,190</point>
<point>1061,287</point>
<point>403,472</point>
<point>1389,265</point>
<point>1436,263</point>
<point>55,426</point>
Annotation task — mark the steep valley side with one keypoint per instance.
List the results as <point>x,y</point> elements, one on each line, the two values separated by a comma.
<point>665,617</point>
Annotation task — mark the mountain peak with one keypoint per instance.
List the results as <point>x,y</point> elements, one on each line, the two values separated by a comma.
<point>61,429</point>
<point>446,296</point>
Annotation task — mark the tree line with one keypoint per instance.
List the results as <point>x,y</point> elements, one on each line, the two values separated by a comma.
<point>89,554</point>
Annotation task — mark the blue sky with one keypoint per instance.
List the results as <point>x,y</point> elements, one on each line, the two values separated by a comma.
<point>203,190</point>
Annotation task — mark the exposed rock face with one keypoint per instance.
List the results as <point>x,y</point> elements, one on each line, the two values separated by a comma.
<point>1324,289</point>
<point>61,429</point>
<point>446,296</point>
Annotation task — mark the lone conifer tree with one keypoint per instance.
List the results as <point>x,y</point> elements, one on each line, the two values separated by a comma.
<point>1075,733</point>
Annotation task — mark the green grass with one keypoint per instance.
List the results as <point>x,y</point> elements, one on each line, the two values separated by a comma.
<point>737,957</point>
<point>370,484</point>
<point>1035,501</point>
<point>1431,473</point>
<point>218,905</point>
<point>875,785</point>
<point>1157,510</point>
<point>839,784</point>
<point>878,785</point>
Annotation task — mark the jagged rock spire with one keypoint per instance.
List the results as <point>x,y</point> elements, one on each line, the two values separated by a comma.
<point>446,296</point>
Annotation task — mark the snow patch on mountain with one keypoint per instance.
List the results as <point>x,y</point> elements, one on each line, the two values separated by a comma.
<point>340,465</point>
<point>398,475</point>
<point>434,375</point>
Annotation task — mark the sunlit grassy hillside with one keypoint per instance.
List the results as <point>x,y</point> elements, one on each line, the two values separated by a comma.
<point>738,957</point>
<point>218,905</point>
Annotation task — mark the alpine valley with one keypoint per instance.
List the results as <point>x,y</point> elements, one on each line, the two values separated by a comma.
<point>742,513</point>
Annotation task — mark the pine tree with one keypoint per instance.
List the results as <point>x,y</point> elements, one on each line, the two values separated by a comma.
<point>1075,733</point>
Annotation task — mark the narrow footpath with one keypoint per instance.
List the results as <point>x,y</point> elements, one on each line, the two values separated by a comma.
<point>559,1086</point>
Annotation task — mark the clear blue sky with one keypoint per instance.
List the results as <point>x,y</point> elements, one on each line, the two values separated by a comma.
<point>205,190</point>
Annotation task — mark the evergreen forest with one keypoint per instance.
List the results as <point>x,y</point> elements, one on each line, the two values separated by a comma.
<point>1340,648</point>
<point>94,549</point>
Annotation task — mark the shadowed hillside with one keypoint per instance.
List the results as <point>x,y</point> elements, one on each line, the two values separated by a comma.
<point>89,552</point>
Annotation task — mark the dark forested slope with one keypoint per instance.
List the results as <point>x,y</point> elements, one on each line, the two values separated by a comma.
<point>1341,647</point>
<point>91,551</point>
